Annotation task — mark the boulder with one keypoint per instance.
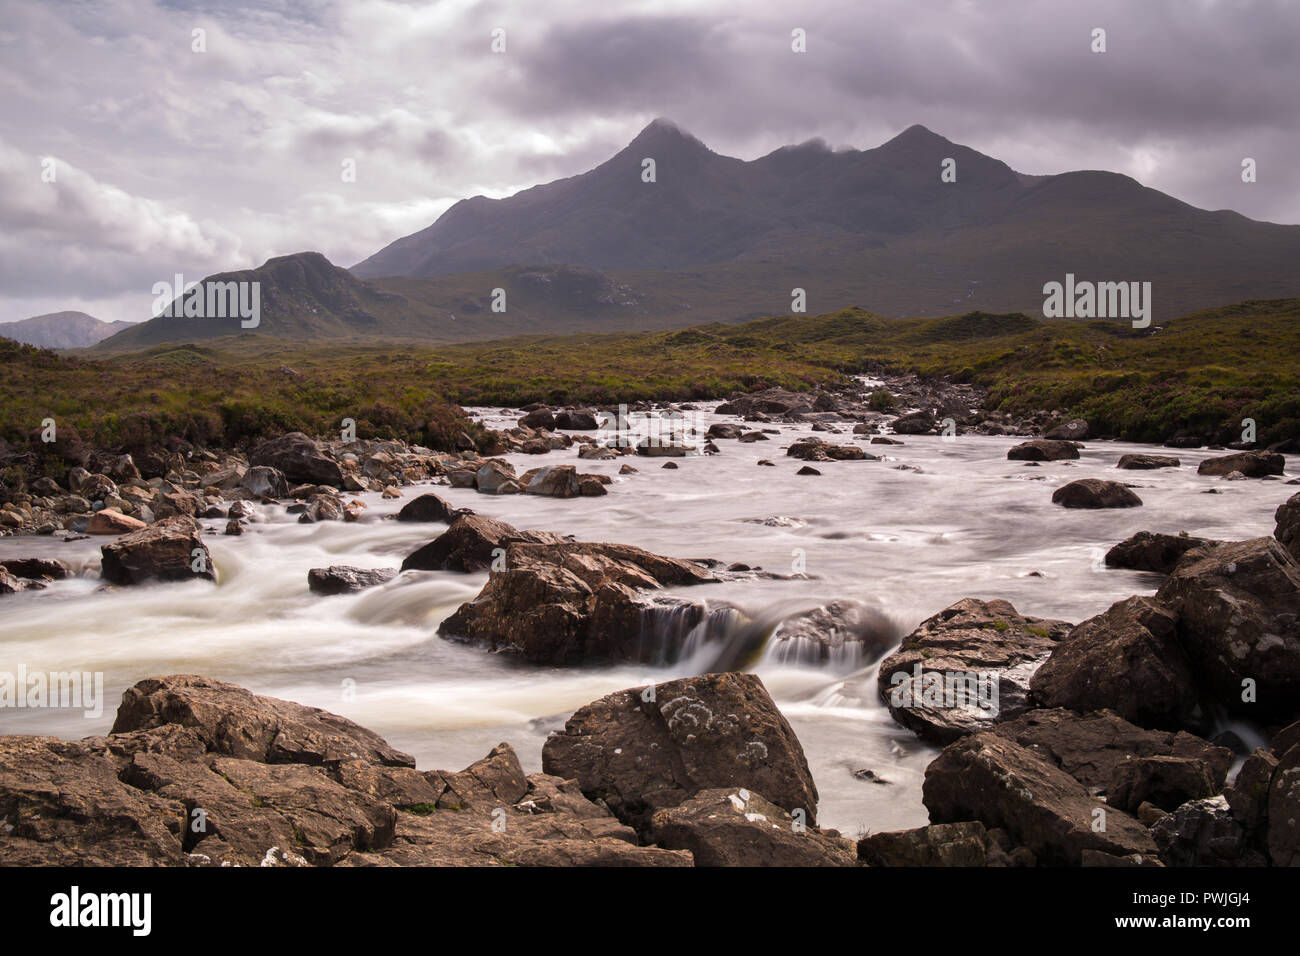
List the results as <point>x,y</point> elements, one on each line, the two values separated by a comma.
<point>577,420</point>
<point>736,827</point>
<point>1238,608</point>
<point>914,423</point>
<point>569,602</point>
<point>1095,493</point>
<point>724,430</point>
<point>553,481</point>
<point>170,550</point>
<point>1127,659</point>
<point>1252,464</point>
<point>1148,551</point>
<point>112,521</point>
<point>1284,807</point>
<point>1249,792</point>
<point>496,477</point>
<point>299,458</point>
<point>965,668</point>
<point>1203,833</point>
<point>1074,430</point>
<point>1147,462</point>
<point>1041,449</point>
<point>429,507</point>
<point>817,449</point>
<point>265,482</point>
<point>1092,747</point>
<point>646,749</point>
<point>339,579</point>
<point>538,418</point>
<point>1287,532</point>
<point>940,844</point>
<point>471,543</point>
<point>833,633</point>
<point>1163,781</point>
<point>1001,784</point>
<point>37,569</point>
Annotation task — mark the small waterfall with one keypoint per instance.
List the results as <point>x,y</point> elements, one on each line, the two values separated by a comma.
<point>703,635</point>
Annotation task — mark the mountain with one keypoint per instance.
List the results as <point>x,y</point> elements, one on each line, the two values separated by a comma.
<point>61,330</point>
<point>728,239</point>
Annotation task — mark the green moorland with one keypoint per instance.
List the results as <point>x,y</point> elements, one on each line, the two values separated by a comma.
<point>1205,372</point>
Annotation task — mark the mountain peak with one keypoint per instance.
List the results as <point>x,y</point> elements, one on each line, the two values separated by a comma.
<point>914,136</point>
<point>662,132</point>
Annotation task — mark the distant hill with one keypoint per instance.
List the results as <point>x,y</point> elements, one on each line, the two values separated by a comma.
<point>61,330</point>
<point>718,238</point>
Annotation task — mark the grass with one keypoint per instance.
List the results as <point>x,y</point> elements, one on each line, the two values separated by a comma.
<point>1205,372</point>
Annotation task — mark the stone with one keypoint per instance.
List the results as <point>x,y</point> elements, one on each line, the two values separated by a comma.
<point>1095,493</point>
<point>340,579</point>
<point>167,551</point>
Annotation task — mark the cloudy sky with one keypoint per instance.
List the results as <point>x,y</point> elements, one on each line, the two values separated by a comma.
<point>170,160</point>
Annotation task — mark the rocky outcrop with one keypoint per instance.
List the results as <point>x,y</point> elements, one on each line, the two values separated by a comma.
<point>568,602</point>
<point>1127,659</point>
<point>200,773</point>
<point>1238,609</point>
<point>340,579</point>
<point>991,779</point>
<point>299,458</point>
<point>171,550</point>
<point>1204,833</point>
<point>472,543</point>
<point>1148,551</point>
<point>1041,449</point>
<point>1095,493</point>
<point>966,668</point>
<point>817,449</point>
<point>1252,464</point>
<point>647,749</point>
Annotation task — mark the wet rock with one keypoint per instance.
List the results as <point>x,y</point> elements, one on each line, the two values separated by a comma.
<point>265,482</point>
<point>770,401</point>
<point>1041,449</point>
<point>988,778</point>
<point>1148,551</point>
<point>806,470</point>
<point>339,579</point>
<point>577,420</point>
<point>835,632</point>
<point>1127,659</point>
<point>171,550</point>
<point>1284,806</point>
<point>817,449</point>
<point>1074,430</point>
<point>496,477</point>
<point>1237,608</point>
<point>37,569</point>
<point>568,602</point>
<point>972,653</point>
<point>736,827</point>
<point>112,521</point>
<point>1252,464</point>
<point>299,458</point>
<point>429,507</point>
<point>471,543</point>
<point>648,749</point>
<point>1095,493</point>
<point>724,430</point>
<point>1203,833</point>
<point>591,486</point>
<point>915,423</point>
<point>1248,794</point>
<point>1147,462</point>
<point>940,844</point>
<point>554,481</point>
<point>538,418</point>
<point>1287,532</point>
<point>1163,781</point>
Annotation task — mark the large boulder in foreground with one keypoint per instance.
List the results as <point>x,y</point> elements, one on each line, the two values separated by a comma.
<point>201,773</point>
<point>171,550</point>
<point>734,827</point>
<point>1238,608</point>
<point>646,749</point>
<point>1148,551</point>
<point>471,543</point>
<point>1095,493</point>
<point>1252,464</point>
<point>1287,531</point>
<point>569,602</point>
<point>1127,659</point>
<point>999,783</point>
<point>1042,449</point>
<point>965,668</point>
<point>299,458</point>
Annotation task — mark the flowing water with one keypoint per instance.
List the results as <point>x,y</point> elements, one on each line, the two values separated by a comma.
<point>968,523</point>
